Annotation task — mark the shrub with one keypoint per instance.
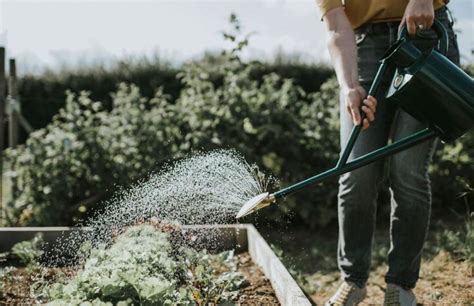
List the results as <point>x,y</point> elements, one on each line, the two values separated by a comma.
<point>77,159</point>
<point>43,95</point>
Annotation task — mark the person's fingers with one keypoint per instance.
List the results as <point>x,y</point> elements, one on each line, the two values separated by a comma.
<point>411,25</point>
<point>373,100</point>
<point>430,21</point>
<point>365,124</point>
<point>371,104</point>
<point>369,113</point>
<point>427,19</point>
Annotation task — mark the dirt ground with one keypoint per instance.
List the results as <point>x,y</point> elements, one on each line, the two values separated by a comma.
<point>16,289</point>
<point>446,277</point>
<point>258,291</point>
<point>17,286</point>
<point>442,282</point>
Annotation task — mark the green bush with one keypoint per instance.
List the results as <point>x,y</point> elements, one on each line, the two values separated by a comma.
<point>43,95</point>
<point>85,151</point>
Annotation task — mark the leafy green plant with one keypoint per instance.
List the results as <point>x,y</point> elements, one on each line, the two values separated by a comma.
<point>143,267</point>
<point>29,251</point>
<point>77,159</point>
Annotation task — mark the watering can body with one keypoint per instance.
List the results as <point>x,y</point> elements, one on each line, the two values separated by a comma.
<point>431,88</point>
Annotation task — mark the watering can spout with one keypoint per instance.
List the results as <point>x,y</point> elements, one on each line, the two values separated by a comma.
<point>258,202</point>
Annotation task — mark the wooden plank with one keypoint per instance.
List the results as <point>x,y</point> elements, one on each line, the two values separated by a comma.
<point>287,290</point>
<point>14,105</point>
<point>11,235</point>
<point>2,131</point>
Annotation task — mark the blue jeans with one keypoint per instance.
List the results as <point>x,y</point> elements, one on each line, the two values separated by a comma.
<point>408,171</point>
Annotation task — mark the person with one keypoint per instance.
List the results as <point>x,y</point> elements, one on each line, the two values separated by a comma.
<point>359,33</point>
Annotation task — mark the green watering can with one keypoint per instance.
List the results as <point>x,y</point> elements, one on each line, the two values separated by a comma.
<point>426,85</point>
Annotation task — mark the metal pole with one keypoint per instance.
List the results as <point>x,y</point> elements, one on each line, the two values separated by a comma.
<point>361,161</point>
<point>356,129</point>
<point>2,131</point>
<point>13,105</point>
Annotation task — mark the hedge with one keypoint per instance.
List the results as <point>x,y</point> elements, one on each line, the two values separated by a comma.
<point>43,95</point>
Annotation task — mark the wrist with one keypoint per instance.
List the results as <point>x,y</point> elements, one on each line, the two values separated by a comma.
<point>350,87</point>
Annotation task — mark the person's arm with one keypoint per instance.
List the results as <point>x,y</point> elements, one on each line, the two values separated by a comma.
<point>343,50</point>
<point>419,15</point>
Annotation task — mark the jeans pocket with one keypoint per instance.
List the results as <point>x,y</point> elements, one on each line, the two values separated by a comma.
<point>370,48</point>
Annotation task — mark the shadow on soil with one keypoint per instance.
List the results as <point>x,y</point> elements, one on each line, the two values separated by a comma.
<point>314,250</point>
<point>310,255</point>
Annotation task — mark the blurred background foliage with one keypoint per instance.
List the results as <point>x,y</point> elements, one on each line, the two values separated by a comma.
<point>94,135</point>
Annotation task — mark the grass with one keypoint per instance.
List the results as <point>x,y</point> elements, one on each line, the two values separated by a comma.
<point>447,272</point>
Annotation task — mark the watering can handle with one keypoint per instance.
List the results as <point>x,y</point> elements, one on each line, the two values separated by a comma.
<point>443,38</point>
<point>357,128</point>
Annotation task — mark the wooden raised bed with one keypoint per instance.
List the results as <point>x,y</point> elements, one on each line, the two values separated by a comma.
<point>241,237</point>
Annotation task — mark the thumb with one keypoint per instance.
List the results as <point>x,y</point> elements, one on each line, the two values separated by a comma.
<point>355,115</point>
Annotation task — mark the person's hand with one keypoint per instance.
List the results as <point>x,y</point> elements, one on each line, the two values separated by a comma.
<point>419,15</point>
<point>353,98</point>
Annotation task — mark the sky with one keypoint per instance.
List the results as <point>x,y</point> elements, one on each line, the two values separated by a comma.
<point>52,34</point>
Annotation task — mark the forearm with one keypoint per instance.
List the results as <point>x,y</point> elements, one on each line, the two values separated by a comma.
<point>343,52</point>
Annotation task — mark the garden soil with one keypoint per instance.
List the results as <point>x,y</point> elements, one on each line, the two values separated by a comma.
<point>257,289</point>
<point>16,289</point>
<point>446,275</point>
<point>443,281</point>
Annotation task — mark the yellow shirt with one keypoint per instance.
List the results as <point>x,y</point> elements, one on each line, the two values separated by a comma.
<point>363,11</point>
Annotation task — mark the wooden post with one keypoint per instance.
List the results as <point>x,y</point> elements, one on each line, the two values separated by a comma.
<point>2,131</point>
<point>14,106</point>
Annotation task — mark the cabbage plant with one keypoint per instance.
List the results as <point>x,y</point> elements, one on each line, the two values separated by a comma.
<point>143,267</point>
